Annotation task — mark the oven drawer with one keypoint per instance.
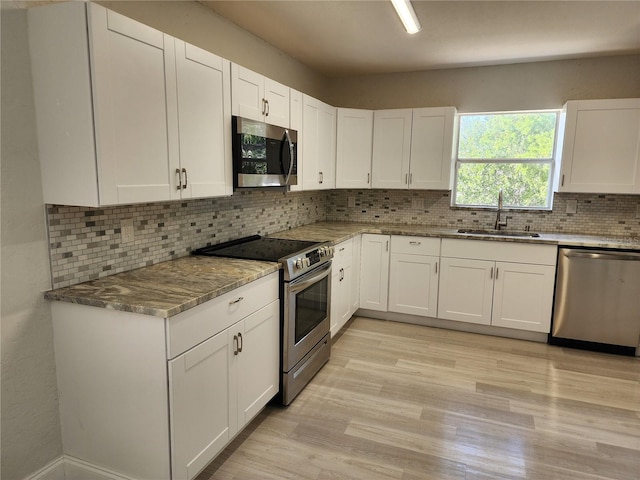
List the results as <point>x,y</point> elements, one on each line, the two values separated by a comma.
<point>195,325</point>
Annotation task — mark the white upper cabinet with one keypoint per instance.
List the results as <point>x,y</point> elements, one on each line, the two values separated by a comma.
<point>108,121</point>
<point>318,144</point>
<point>601,151</point>
<point>295,123</point>
<point>204,123</point>
<point>431,148</point>
<point>412,148</point>
<point>354,148</point>
<point>391,148</point>
<point>259,98</point>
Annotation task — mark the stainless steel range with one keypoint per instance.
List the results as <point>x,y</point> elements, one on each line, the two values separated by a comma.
<point>305,298</point>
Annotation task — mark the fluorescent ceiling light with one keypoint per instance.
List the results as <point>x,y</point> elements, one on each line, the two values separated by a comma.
<point>407,15</point>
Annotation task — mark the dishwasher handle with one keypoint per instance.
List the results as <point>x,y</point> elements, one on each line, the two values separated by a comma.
<point>601,255</point>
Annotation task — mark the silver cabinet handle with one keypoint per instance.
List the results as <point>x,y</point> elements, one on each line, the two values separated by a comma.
<point>237,300</point>
<point>491,274</point>
<point>406,178</point>
<point>267,109</point>
<point>562,184</point>
<point>264,107</point>
<point>179,187</point>
<point>387,245</point>
<point>235,345</point>
<point>410,178</point>
<point>415,243</point>
<point>368,178</point>
<point>436,267</point>
<point>341,249</point>
<point>497,272</point>
<point>240,341</point>
<point>184,186</point>
<point>321,177</point>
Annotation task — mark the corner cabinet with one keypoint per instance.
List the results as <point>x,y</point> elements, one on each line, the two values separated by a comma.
<point>601,149</point>
<point>259,98</point>
<point>114,123</point>
<point>354,148</point>
<point>318,144</point>
<point>413,275</point>
<point>412,148</point>
<point>146,397</point>
<point>497,283</point>
<point>374,272</point>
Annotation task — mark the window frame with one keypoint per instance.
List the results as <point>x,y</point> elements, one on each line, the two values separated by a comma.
<point>553,162</point>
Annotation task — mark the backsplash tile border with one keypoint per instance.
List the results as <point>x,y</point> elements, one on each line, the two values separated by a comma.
<point>85,243</point>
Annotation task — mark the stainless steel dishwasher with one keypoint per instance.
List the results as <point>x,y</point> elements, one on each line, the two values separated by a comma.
<point>597,301</point>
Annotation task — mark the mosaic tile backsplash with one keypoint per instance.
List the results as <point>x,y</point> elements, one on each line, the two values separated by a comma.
<point>85,243</point>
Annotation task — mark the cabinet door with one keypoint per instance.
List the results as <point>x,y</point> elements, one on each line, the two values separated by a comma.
<point>327,146</point>
<point>413,284</point>
<point>202,400</point>
<point>247,90</point>
<point>310,142</point>
<point>431,148</point>
<point>277,108</point>
<point>134,109</point>
<point>523,296</point>
<point>204,114</point>
<point>258,361</point>
<point>601,151</point>
<point>355,275</point>
<point>466,290</point>
<point>354,148</point>
<point>391,148</point>
<point>340,302</point>
<point>295,122</point>
<point>374,272</point>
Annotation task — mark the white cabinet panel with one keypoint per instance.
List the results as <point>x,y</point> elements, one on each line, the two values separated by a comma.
<point>355,275</point>
<point>391,148</point>
<point>343,283</point>
<point>354,148</point>
<point>201,397</point>
<point>204,122</point>
<point>431,148</point>
<point>374,272</point>
<point>601,150</point>
<point>466,290</point>
<point>523,296</point>
<point>318,144</point>
<point>413,284</point>
<point>278,98</point>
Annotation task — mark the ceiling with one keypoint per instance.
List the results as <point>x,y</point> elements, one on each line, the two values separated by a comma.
<point>357,37</point>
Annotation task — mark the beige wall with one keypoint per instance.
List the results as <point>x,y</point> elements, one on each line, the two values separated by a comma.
<point>202,27</point>
<point>30,420</point>
<point>508,87</point>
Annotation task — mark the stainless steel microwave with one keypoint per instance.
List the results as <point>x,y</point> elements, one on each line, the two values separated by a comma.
<point>263,155</point>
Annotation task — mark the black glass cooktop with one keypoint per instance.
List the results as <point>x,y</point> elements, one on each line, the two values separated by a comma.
<point>256,248</point>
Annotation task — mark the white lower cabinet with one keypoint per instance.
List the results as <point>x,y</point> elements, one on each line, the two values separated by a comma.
<point>344,283</point>
<point>147,398</point>
<point>374,272</point>
<point>413,275</point>
<point>500,284</point>
<point>217,387</point>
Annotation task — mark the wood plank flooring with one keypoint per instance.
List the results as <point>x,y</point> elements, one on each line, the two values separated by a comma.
<point>400,401</point>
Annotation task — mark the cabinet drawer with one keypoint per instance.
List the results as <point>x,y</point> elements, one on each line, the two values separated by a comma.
<point>415,245</point>
<point>500,251</point>
<point>342,254</point>
<point>195,325</point>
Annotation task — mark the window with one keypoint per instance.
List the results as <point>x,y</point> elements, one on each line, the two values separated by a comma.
<point>512,152</point>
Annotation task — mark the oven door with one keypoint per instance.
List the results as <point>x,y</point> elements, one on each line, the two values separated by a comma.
<point>306,314</point>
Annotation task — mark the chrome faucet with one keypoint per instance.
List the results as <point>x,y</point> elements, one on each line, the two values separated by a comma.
<point>499,224</point>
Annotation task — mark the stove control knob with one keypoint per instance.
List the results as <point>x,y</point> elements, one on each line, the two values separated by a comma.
<point>306,262</point>
<point>298,263</point>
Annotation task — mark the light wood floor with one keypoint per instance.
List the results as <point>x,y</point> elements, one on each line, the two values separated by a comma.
<point>399,401</point>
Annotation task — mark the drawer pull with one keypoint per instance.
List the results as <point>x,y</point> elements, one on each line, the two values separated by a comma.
<point>237,300</point>
<point>415,243</point>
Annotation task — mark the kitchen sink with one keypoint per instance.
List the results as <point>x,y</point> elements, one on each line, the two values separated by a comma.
<point>502,233</point>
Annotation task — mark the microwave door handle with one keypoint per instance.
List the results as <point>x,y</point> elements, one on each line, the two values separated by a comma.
<point>287,138</point>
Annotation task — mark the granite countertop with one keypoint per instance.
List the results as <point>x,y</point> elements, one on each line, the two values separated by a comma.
<point>336,232</point>
<point>171,287</point>
<point>168,288</point>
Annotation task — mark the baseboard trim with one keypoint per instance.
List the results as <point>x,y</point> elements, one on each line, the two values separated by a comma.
<point>453,325</point>
<point>54,470</point>
<point>76,469</point>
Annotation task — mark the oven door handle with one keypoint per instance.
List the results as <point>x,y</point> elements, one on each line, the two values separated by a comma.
<point>303,282</point>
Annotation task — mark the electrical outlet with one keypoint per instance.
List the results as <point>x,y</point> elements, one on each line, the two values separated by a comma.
<point>126,230</point>
<point>417,203</point>
<point>351,202</point>
<point>572,206</point>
